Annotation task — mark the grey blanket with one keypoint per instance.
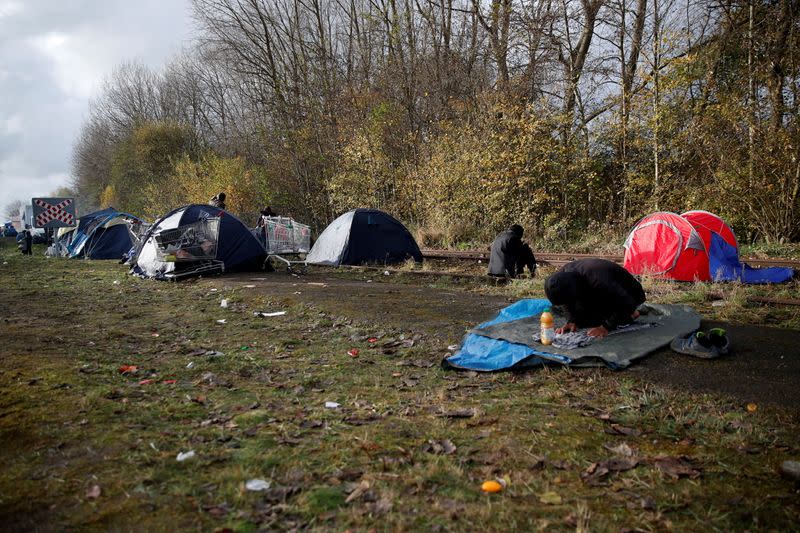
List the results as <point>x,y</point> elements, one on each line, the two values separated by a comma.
<point>657,326</point>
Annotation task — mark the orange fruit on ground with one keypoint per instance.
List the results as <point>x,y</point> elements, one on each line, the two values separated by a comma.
<point>491,486</point>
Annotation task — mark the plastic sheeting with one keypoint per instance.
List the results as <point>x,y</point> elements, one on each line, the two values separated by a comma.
<point>489,348</point>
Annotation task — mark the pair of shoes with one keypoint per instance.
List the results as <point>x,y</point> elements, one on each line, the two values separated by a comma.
<point>699,344</point>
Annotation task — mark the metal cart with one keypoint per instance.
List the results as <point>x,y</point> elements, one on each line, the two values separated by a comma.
<point>192,245</point>
<point>284,236</point>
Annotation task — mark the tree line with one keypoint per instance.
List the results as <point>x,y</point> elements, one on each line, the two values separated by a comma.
<point>463,116</point>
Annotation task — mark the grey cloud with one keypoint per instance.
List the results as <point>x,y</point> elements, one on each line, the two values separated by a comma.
<point>53,58</point>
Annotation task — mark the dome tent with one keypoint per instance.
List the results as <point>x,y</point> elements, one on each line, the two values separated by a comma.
<point>101,235</point>
<point>234,247</point>
<point>694,246</point>
<point>666,245</point>
<point>364,236</point>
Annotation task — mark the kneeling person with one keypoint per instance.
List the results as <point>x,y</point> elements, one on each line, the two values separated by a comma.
<point>510,254</point>
<point>596,294</point>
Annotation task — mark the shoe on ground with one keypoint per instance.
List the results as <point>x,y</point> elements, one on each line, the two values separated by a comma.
<point>719,338</point>
<point>697,344</point>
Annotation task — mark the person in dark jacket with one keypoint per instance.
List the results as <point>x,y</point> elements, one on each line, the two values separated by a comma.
<point>596,294</point>
<point>510,255</point>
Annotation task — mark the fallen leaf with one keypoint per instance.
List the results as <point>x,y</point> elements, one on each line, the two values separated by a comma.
<point>617,429</point>
<point>676,467</point>
<point>550,498</point>
<point>620,449</point>
<point>358,491</point>
<point>442,447</point>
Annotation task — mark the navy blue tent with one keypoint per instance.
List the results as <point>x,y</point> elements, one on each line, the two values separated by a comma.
<point>102,235</point>
<point>170,248</point>
<point>364,236</point>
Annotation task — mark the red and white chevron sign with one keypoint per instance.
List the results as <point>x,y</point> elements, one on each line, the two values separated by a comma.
<point>53,212</point>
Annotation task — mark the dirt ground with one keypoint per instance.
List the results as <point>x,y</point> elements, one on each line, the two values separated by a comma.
<point>338,407</point>
<point>764,366</point>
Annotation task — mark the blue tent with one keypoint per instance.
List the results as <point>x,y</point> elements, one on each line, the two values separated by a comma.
<point>364,236</point>
<point>102,235</point>
<point>169,249</point>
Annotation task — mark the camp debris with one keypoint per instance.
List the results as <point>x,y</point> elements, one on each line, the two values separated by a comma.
<point>694,246</point>
<point>364,236</point>
<point>194,240</point>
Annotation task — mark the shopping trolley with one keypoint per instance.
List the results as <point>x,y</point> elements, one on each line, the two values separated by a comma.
<point>285,236</point>
<point>192,245</point>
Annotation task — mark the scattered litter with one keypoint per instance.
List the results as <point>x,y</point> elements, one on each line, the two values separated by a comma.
<point>221,321</point>
<point>224,303</point>
<point>154,334</point>
<point>257,485</point>
<point>386,273</point>
<point>441,447</point>
<point>5,262</point>
<point>331,405</point>
<point>116,282</point>
<point>316,284</point>
<point>152,445</point>
<point>213,290</point>
<point>369,281</point>
<point>249,286</point>
<point>452,348</point>
<point>353,352</point>
<point>244,348</point>
<point>790,470</point>
<point>372,340</point>
<point>265,314</point>
<point>190,365</point>
<point>719,303</point>
<point>94,492</point>
<point>491,486</point>
<point>146,382</point>
<point>297,292</point>
<point>169,382</point>
<point>752,408</point>
<point>128,369</point>
<point>185,456</point>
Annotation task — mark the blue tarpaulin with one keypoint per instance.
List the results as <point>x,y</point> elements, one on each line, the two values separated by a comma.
<point>489,347</point>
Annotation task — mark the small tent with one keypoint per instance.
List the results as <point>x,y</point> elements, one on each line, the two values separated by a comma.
<point>102,235</point>
<point>666,245</point>
<point>364,236</point>
<point>694,246</point>
<point>194,239</point>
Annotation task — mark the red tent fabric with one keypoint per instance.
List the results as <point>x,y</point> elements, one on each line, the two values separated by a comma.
<point>666,245</point>
<point>709,221</point>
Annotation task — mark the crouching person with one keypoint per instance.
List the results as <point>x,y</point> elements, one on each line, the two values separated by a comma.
<point>510,255</point>
<point>596,294</point>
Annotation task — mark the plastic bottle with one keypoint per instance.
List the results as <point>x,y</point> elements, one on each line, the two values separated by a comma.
<point>547,329</point>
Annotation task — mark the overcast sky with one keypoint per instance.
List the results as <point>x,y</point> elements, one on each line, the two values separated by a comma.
<point>54,56</point>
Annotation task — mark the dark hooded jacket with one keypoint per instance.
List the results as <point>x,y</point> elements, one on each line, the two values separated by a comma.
<point>595,292</point>
<point>506,250</point>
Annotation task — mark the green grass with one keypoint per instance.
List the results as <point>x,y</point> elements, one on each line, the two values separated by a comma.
<point>70,420</point>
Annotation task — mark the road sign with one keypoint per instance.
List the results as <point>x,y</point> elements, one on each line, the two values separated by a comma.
<point>53,212</point>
